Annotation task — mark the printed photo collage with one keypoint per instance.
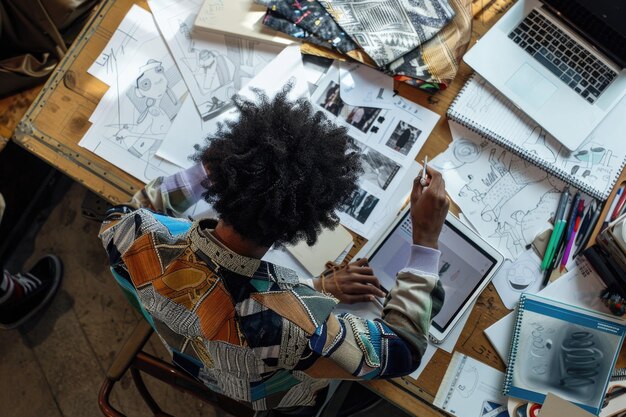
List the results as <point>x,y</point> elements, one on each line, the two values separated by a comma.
<point>389,140</point>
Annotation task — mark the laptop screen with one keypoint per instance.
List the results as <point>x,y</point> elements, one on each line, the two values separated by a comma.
<point>602,22</point>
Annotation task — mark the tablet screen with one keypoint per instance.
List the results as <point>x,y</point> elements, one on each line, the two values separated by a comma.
<point>462,267</point>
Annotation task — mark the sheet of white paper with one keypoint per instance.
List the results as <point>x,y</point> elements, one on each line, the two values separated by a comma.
<point>471,388</point>
<point>365,87</point>
<point>389,140</point>
<point>580,287</point>
<point>124,45</point>
<point>136,112</point>
<point>508,200</point>
<point>514,278</point>
<point>215,66</point>
<point>190,130</point>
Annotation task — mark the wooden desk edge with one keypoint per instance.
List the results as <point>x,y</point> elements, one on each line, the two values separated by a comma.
<point>81,165</point>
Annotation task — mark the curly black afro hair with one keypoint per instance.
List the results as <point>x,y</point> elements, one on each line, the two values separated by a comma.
<point>278,174</point>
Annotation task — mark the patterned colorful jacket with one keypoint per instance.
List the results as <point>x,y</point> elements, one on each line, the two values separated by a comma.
<point>247,328</point>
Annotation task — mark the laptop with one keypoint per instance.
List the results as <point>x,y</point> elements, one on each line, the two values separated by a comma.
<point>560,61</point>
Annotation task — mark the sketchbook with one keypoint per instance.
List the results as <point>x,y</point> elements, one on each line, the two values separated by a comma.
<point>559,348</point>
<point>580,286</point>
<point>471,389</point>
<point>592,168</point>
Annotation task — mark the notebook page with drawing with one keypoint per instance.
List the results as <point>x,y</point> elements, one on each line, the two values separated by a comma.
<point>471,388</point>
<point>579,287</point>
<point>592,168</point>
<point>563,349</point>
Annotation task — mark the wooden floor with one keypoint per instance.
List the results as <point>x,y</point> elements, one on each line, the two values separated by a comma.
<point>54,366</point>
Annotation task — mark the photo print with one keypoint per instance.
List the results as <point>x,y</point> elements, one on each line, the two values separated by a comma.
<point>403,138</point>
<point>330,99</point>
<point>377,168</point>
<point>359,205</point>
<point>360,117</point>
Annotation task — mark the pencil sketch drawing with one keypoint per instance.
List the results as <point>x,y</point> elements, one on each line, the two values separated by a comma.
<point>214,66</point>
<point>595,163</point>
<point>153,105</point>
<point>137,111</point>
<point>505,197</point>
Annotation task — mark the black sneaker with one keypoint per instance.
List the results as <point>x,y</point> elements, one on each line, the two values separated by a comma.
<point>39,284</point>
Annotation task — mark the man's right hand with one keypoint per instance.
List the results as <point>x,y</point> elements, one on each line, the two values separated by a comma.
<point>429,207</point>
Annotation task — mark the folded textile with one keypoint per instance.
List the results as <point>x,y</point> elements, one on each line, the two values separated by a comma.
<point>309,15</point>
<point>431,66</point>
<point>388,29</point>
<point>278,22</point>
<point>437,61</point>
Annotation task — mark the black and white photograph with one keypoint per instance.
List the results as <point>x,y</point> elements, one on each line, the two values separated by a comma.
<point>330,100</point>
<point>403,137</point>
<point>377,168</point>
<point>360,205</point>
<point>361,117</point>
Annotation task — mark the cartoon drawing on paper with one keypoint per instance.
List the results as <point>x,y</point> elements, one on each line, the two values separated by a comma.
<point>504,181</point>
<point>506,198</point>
<point>218,76</point>
<point>144,112</point>
<point>214,66</point>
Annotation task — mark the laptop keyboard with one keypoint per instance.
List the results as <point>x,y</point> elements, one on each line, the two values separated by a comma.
<point>563,56</point>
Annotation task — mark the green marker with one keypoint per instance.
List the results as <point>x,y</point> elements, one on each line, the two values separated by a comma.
<point>559,227</point>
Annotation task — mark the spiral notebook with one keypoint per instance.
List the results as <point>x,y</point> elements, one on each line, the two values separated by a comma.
<point>563,349</point>
<point>592,168</point>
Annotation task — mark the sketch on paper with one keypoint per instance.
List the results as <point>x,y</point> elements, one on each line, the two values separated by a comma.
<point>514,278</point>
<point>595,163</point>
<point>471,388</point>
<point>507,199</point>
<point>214,66</point>
<point>137,111</point>
<point>123,45</point>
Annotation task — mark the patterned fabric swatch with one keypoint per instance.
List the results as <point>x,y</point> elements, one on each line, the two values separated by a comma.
<point>388,29</point>
<point>310,16</point>
<point>436,62</point>
<point>278,22</point>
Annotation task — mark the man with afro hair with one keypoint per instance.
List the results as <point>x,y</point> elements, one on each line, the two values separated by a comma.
<point>250,329</point>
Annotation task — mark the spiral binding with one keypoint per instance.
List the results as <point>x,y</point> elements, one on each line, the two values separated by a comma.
<point>508,378</point>
<point>619,374</point>
<point>494,137</point>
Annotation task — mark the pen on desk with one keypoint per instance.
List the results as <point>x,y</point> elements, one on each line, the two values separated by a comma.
<point>611,209</point>
<point>585,222</point>
<point>571,217</point>
<point>574,228</point>
<point>592,225</point>
<point>555,260</point>
<point>619,206</point>
<point>557,232</point>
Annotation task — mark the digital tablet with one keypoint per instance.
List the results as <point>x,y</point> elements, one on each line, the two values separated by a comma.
<point>466,266</point>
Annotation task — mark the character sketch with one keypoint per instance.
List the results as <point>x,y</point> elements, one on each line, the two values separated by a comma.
<point>216,75</point>
<point>145,113</point>
<point>504,181</point>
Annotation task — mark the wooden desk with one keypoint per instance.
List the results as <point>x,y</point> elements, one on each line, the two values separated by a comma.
<point>58,119</point>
